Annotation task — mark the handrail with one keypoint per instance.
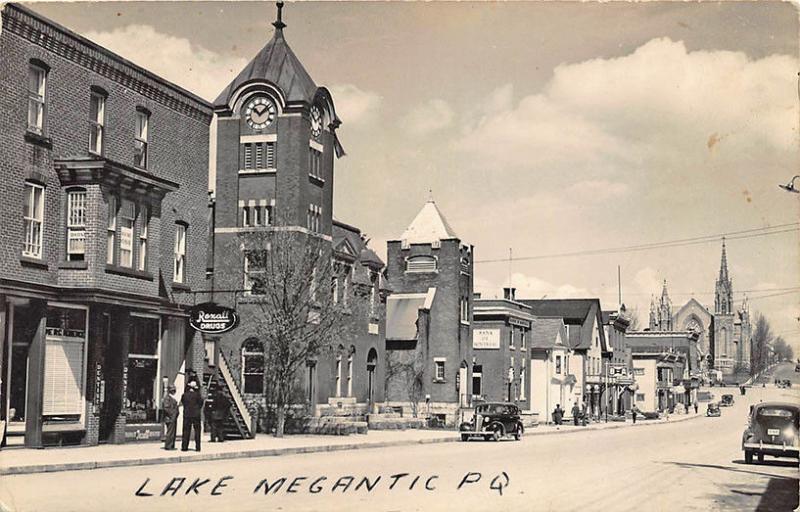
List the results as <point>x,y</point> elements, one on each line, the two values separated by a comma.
<point>237,396</point>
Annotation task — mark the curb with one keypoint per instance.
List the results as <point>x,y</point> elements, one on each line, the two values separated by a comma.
<point>277,452</point>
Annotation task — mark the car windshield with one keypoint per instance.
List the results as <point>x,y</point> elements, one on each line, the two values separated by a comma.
<point>495,409</point>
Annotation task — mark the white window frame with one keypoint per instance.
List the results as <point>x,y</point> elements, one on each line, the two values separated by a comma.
<point>33,218</point>
<point>97,124</point>
<point>247,285</point>
<point>141,138</point>
<point>179,253</point>
<point>76,224</point>
<point>37,98</point>
<point>439,363</point>
<point>127,221</point>
<point>144,228</point>
<point>111,230</point>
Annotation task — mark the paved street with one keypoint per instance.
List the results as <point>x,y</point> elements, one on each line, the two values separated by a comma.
<point>688,465</point>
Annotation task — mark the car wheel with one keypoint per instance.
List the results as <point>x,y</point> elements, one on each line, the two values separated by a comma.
<point>464,437</point>
<point>496,435</point>
<point>518,433</point>
<point>748,457</point>
<point>760,458</point>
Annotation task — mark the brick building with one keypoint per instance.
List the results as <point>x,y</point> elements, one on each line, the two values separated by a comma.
<point>620,375</point>
<point>428,330</point>
<point>276,144</point>
<point>105,185</point>
<point>501,367</point>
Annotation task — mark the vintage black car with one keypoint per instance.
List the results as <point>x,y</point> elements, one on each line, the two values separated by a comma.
<point>773,430</point>
<point>726,401</point>
<point>713,409</point>
<point>493,420</point>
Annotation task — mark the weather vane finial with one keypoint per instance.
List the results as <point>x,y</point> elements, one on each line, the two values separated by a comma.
<point>279,24</point>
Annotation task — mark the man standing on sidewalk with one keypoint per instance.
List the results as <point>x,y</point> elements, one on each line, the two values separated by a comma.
<point>576,414</point>
<point>170,406</point>
<point>634,411</point>
<point>192,407</point>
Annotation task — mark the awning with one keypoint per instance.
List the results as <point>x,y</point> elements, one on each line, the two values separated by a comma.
<point>402,311</point>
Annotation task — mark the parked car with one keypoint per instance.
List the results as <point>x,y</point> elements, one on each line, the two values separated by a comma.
<point>713,409</point>
<point>726,401</point>
<point>493,420</point>
<point>773,430</point>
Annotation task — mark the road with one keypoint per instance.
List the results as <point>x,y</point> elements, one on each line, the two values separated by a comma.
<point>688,465</point>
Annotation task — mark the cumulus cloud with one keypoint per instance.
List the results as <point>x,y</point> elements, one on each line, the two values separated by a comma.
<point>661,107</point>
<point>355,106</point>
<point>192,67</point>
<point>533,287</point>
<point>431,116</point>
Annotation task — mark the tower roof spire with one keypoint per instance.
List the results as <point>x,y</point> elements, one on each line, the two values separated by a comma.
<point>723,263</point>
<point>278,23</point>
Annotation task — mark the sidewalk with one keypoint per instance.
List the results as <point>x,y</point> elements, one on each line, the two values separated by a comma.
<point>21,461</point>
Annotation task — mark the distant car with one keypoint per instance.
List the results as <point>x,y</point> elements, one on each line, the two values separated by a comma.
<point>726,400</point>
<point>493,420</point>
<point>713,409</point>
<point>797,367</point>
<point>773,430</point>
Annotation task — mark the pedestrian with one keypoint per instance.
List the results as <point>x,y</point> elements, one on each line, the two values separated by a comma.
<point>558,414</point>
<point>576,414</point>
<point>686,408</point>
<point>584,416</point>
<point>695,408</point>
<point>170,406</point>
<point>220,407</point>
<point>634,411</point>
<point>192,404</point>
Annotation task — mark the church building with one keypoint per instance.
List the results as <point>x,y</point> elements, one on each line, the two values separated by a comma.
<point>724,335</point>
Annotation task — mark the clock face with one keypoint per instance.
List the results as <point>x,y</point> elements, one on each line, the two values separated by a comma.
<point>316,122</point>
<point>259,113</point>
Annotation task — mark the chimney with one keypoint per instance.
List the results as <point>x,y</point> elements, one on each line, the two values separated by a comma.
<point>476,295</point>
<point>509,293</point>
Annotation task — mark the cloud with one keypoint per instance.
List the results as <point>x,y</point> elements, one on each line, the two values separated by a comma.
<point>655,109</point>
<point>192,67</point>
<point>355,106</point>
<point>431,116</point>
<point>532,287</point>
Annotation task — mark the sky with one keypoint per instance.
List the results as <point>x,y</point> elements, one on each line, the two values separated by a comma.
<point>539,128</point>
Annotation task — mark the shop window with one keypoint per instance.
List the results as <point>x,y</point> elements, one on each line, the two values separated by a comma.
<point>143,391</point>
<point>76,225</point>
<point>253,366</point>
<point>64,364</point>
<point>33,216</point>
<point>37,86</point>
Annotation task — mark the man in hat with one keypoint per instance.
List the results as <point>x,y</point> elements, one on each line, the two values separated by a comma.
<point>192,404</point>
<point>170,406</point>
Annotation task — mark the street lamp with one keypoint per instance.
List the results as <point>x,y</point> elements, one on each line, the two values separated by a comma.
<point>789,187</point>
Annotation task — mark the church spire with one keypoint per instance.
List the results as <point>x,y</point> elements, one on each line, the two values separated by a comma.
<point>723,263</point>
<point>278,23</point>
<point>723,296</point>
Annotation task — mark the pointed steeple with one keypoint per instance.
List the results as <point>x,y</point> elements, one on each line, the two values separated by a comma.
<point>723,263</point>
<point>276,63</point>
<point>428,226</point>
<point>723,296</point>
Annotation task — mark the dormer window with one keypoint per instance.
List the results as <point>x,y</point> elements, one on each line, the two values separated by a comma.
<point>421,263</point>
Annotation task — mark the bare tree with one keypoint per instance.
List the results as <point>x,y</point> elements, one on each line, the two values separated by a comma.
<point>300,311</point>
<point>762,339</point>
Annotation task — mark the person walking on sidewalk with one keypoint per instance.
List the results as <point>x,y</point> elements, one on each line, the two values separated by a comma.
<point>170,406</point>
<point>220,407</point>
<point>634,412</point>
<point>576,414</point>
<point>192,404</point>
<point>695,407</point>
<point>558,414</point>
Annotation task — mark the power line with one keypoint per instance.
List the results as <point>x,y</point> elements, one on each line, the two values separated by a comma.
<point>733,235</point>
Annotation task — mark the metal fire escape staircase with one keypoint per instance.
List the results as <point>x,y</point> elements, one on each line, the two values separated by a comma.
<point>239,423</point>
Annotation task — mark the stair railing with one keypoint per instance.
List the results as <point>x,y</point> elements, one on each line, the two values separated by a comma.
<point>235,393</point>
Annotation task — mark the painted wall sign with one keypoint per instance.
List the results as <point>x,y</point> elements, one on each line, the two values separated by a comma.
<point>212,318</point>
<point>486,339</point>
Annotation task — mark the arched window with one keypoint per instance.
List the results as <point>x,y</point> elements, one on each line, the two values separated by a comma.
<point>252,366</point>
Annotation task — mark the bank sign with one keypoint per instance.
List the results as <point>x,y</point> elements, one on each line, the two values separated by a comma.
<point>486,339</point>
<point>212,318</point>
